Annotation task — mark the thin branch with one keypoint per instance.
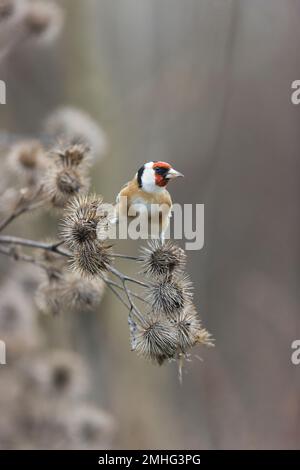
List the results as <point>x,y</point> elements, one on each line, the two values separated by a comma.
<point>134,308</point>
<point>11,218</point>
<point>117,294</point>
<point>54,247</point>
<point>24,206</point>
<point>113,286</point>
<point>58,244</point>
<point>134,294</point>
<point>129,257</point>
<point>124,277</point>
<point>21,257</point>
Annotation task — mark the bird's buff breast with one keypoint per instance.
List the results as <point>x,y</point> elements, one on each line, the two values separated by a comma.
<point>152,205</point>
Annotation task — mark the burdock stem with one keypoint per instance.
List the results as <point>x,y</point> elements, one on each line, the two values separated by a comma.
<point>133,308</point>
<point>27,207</point>
<point>56,248</point>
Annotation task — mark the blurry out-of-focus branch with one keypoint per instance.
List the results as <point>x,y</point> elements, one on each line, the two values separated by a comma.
<point>27,201</point>
<point>11,218</point>
<point>54,247</point>
<point>17,256</point>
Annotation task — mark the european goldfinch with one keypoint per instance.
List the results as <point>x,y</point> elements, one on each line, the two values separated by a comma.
<point>146,196</point>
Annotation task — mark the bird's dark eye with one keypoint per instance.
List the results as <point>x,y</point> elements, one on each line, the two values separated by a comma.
<point>161,171</point>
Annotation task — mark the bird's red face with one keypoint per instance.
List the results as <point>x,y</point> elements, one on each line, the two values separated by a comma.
<point>161,169</point>
<point>155,175</point>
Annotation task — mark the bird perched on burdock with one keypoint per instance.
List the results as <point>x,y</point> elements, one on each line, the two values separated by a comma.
<point>147,198</point>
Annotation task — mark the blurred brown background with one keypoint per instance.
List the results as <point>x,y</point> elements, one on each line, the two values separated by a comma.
<point>204,84</point>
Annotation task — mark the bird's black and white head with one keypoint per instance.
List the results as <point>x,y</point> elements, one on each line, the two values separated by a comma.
<point>154,176</point>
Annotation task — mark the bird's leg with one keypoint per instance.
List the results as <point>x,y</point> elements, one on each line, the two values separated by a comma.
<point>165,215</point>
<point>162,238</point>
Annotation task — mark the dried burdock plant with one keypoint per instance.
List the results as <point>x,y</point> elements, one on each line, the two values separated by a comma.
<point>8,200</point>
<point>11,13</point>
<point>48,298</point>
<point>166,325</point>
<point>170,295</point>
<point>43,395</point>
<point>41,424</point>
<point>27,159</point>
<point>90,427</point>
<point>163,321</point>
<point>63,290</point>
<point>43,405</point>
<point>43,21</point>
<point>66,175</point>
<point>28,23</point>
<point>162,259</point>
<point>90,256</point>
<point>156,339</point>
<point>190,330</point>
<point>81,294</point>
<point>73,155</point>
<point>58,373</point>
<point>52,262</point>
<point>76,126</point>
<point>92,259</point>
<point>18,202</point>
<point>79,226</point>
<point>7,9</point>
<point>52,424</point>
<point>17,321</point>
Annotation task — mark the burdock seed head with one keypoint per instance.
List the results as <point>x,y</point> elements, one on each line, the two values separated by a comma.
<point>48,297</point>
<point>27,159</point>
<point>90,427</point>
<point>77,126</point>
<point>91,259</point>
<point>79,227</point>
<point>62,183</point>
<point>60,373</point>
<point>81,294</point>
<point>162,259</point>
<point>156,340</point>
<point>72,155</point>
<point>190,330</point>
<point>43,21</point>
<point>7,9</point>
<point>170,295</point>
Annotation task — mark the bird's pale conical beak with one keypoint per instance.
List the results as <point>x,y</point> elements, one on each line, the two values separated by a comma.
<point>172,174</point>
